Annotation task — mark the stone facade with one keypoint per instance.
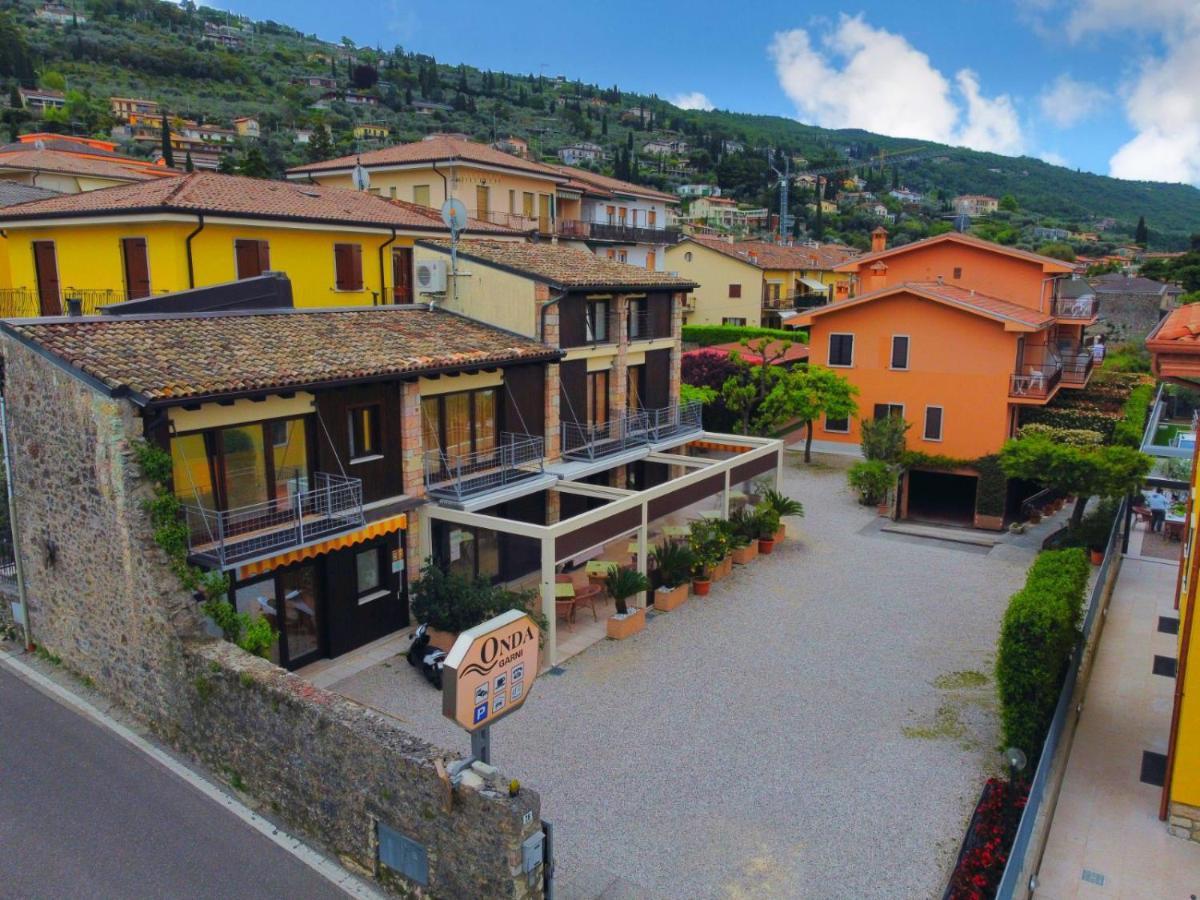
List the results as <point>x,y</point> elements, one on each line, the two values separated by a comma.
<point>103,598</point>
<point>1184,821</point>
<point>1128,317</point>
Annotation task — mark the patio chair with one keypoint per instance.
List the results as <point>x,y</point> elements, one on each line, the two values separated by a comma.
<point>587,596</point>
<point>565,608</point>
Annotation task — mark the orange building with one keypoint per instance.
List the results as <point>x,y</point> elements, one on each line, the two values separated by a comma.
<point>954,334</point>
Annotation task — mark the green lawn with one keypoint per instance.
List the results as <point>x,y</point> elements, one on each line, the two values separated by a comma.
<point>1166,433</point>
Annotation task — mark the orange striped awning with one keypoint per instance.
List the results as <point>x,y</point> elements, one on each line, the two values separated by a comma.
<point>721,447</point>
<point>374,530</point>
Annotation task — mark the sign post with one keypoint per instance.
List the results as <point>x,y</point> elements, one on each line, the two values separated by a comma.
<point>488,674</point>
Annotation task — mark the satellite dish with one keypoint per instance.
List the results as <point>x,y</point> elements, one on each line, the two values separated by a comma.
<point>360,177</point>
<point>454,214</point>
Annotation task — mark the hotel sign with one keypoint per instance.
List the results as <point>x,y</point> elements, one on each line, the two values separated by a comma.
<point>490,670</point>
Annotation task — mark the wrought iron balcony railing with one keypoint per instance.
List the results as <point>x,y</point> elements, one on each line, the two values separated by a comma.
<point>1077,365</point>
<point>672,421</point>
<point>1082,308</point>
<point>228,537</point>
<point>459,477</point>
<point>625,431</point>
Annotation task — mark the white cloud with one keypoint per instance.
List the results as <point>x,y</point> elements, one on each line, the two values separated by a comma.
<point>1055,159</point>
<point>886,85</point>
<point>1068,102</point>
<point>691,100</point>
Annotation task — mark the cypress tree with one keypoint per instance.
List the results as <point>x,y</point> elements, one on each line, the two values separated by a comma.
<point>188,166</point>
<point>168,155</point>
<point>1142,234</point>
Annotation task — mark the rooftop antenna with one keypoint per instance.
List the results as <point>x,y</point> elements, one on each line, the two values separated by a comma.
<point>784,177</point>
<point>360,177</point>
<point>454,215</point>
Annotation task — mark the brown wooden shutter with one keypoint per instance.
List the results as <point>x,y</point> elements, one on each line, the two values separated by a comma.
<point>356,270</point>
<point>264,257</point>
<point>46,264</point>
<point>341,267</point>
<point>137,268</point>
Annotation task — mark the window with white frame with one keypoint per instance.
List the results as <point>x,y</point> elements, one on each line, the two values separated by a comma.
<point>899,351</point>
<point>933,423</point>
<point>841,350</point>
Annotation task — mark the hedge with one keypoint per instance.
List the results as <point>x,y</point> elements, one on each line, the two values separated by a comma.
<point>1037,638</point>
<point>707,335</point>
<point>1132,426</point>
<point>1072,437</point>
<point>1071,419</point>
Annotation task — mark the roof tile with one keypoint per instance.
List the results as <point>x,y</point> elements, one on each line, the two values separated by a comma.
<point>435,147</point>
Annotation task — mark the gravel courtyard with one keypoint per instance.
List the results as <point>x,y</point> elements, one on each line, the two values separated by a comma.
<point>818,727</point>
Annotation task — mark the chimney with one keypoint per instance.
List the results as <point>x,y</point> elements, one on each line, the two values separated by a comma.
<point>879,239</point>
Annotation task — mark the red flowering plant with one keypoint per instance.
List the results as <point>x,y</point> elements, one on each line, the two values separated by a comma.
<point>989,838</point>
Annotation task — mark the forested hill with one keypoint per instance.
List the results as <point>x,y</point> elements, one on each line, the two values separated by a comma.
<point>211,66</point>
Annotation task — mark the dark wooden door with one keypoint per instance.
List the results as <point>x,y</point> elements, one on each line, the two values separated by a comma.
<point>656,380</point>
<point>572,377</point>
<point>402,275</point>
<point>253,258</point>
<point>366,600</point>
<point>45,263</point>
<point>137,268</point>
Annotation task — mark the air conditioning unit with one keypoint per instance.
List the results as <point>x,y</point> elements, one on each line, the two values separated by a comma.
<point>431,276</point>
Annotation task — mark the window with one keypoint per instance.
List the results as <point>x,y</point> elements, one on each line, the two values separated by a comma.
<point>421,194</point>
<point>347,267</point>
<point>622,214</point>
<point>597,397</point>
<point>957,272</point>
<point>687,257</point>
<point>512,202</point>
<point>137,268</point>
<point>633,393</point>
<point>889,410</point>
<point>597,321</point>
<point>838,426</point>
<point>527,204</point>
<point>651,260</point>
<point>933,423</point>
<point>733,320</point>
<point>611,212</point>
<point>460,423</point>
<point>252,258</point>
<point>652,219</point>
<point>482,201</point>
<point>623,256</point>
<point>392,192</point>
<point>364,431</point>
<point>899,351</point>
<point>368,570</point>
<point>841,350</point>
<point>735,290</point>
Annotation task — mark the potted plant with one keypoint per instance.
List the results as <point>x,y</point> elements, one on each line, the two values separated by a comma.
<point>625,583</point>
<point>785,506</point>
<point>872,479</point>
<point>744,539</point>
<point>723,567</point>
<point>768,523</point>
<point>708,549</point>
<point>673,562</point>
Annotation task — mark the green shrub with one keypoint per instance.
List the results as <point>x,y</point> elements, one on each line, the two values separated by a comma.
<point>991,491</point>
<point>1037,636</point>
<point>884,439</point>
<point>1076,437</point>
<point>707,335</point>
<point>709,545</point>
<point>673,562</point>
<point>1132,425</point>
<point>1075,419</point>
<point>872,479</point>
<point>624,583</point>
<point>1092,533</point>
<point>452,602</point>
<point>782,504</point>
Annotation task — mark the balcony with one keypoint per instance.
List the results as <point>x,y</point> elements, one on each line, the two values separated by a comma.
<point>1078,363</point>
<point>24,303</point>
<point>1035,381</point>
<point>622,432</point>
<point>457,478</point>
<point>616,232</point>
<point>597,330</point>
<point>224,538</point>
<point>641,326</point>
<point>673,421</point>
<point>516,221</point>
<point>1079,309</point>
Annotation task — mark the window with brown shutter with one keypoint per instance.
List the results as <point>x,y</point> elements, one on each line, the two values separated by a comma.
<point>347,264</point>
<point>137,268</point>
<point>253,258</point>
<point>735,290</point>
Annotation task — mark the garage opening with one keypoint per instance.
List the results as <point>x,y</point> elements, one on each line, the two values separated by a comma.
<point>1019,490</point>
<point>941,497</point>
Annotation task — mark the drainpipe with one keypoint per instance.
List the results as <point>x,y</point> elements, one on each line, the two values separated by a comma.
<point>14,524</point>
<point>188,244</point>
<point>553,301</point>
<point>382,280</point>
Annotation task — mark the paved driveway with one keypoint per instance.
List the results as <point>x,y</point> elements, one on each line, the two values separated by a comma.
<point>817,727</point>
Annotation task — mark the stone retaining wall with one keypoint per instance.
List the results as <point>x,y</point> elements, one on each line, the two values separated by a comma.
<point>103,598</point>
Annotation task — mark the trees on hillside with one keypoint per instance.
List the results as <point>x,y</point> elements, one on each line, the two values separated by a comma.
<point>1141,234</point>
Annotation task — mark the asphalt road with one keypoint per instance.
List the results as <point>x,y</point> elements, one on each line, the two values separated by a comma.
<point>83,814</point>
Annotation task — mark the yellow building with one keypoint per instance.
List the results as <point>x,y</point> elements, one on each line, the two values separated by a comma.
<point>748,282</point>
<point>371,132</point>
<point>339,248</point>
<point>495,186</point>
<point>1175,355</point>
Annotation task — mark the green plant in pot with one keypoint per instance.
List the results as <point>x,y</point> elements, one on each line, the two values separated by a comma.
<point>743,523</point>
<point>767,519</point>
<point>623,584</point>
<point>872,479</point>
<point>673,562</point>
<point>784,505</point>
<point>707,542</point>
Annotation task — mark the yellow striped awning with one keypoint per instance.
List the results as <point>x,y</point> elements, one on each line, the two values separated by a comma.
<point>349,539</point>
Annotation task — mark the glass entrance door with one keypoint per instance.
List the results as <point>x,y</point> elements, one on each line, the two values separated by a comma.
<point>301,629</point>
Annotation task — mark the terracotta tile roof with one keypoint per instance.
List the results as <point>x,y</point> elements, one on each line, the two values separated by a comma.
<point>252,198</point>
<point>157,358</point>
<point>72,164</point>
<point>1180,327</point>
<point>1048,263</point>
<point>777,256</point>
<point>607,185</point>
<point>441,148</point>
<point>564,267</point>
<point>966,300</point>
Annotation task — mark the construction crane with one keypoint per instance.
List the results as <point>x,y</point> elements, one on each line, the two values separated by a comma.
<point>896,156</point>
<point>784,180</point>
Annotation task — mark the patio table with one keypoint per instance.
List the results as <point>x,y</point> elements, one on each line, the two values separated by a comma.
<point>676,531</point>
<point>598,568</point>
<point>564,591</point>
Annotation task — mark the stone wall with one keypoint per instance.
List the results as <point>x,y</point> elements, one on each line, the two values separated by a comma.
<point>102,597</point>
<point>1184,821</point>
<point>1127,317</point>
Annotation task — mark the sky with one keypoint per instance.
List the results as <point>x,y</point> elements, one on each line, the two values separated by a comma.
<point>1108,86</point>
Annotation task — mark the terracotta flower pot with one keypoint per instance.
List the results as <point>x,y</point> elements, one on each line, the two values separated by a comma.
<point>666,599</point>
<point>621,627</point>
<point>1097,557</point>
<point>743,555</point>
<point>766,546</point>
<point>701,586</point>
<point>1035,517</point>
<point>781,533</point>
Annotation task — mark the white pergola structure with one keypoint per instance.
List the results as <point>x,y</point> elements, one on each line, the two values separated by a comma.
<point>627,512</point>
